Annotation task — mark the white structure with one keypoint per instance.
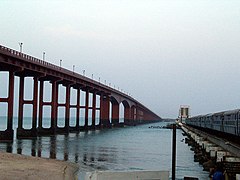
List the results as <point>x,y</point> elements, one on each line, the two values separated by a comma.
<point>131,175</point>
<point>184,112</point>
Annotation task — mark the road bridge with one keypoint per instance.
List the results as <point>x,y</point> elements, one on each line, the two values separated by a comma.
<point>22,65</point>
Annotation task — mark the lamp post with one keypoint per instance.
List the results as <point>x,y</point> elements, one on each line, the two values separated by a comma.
<point>73,68</point>
<point>83,72</point>
<point>20,44</point>
<point>60,63</point>
<point>92,76</point>
<point>43,56</point>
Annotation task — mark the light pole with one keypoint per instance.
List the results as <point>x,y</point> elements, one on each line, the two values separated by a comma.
<point>60,63</point>
<point>20,44</point>
<point>73,68</point>
<point>83,72</point>
<point>43,56</point>
<point>92,76</point>
<point>99,79</point>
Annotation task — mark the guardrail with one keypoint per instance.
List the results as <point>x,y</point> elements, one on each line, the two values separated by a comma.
<point>58,68</point>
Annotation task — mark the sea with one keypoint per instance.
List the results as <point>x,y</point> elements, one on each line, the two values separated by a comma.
<point>130,148</point>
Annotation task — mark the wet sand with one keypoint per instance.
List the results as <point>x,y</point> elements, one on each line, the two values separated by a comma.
<point>15,166</point>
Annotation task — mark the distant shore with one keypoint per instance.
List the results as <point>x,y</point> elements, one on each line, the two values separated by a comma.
<point>15,166</point>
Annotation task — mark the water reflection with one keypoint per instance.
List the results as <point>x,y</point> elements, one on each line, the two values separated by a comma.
<point>9,148</point>
<point>34,147</point>
<point>82,148</point>
<point>52,143</point>
<point>124,149</point>
<point>19,147</point>
<point>72,147</point>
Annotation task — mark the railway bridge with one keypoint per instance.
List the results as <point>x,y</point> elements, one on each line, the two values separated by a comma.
<point>21,65</point>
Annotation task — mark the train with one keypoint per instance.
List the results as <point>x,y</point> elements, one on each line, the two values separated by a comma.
<point>227,122</point>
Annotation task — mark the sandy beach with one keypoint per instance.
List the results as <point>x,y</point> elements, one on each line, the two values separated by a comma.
<point>15,166</point>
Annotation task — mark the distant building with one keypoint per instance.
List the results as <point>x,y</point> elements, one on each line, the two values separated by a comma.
<point>184,112</point>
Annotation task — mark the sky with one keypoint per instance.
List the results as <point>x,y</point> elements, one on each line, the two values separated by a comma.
<point>165,53</point>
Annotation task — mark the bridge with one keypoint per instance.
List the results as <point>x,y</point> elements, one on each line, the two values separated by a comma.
<point>22,65</point>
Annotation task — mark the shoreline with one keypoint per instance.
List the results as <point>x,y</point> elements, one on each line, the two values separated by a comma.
<point>16,166</point>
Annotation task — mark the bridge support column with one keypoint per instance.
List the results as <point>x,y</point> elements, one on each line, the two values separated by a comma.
<point>20,107</point>
<point>7,135</point>
<point>40,113</point>
<point>35,105</point>
<point>78,111</point>
<point>130,121</point>
<point>104,111</point>
<point>86,109</point>
<point>138,117</point>
<point>21,132</point>
<point>54,107</point>
<point>127,114</point>
<point>115,114</point>
<point>94,110</point>
<point>67,109</point>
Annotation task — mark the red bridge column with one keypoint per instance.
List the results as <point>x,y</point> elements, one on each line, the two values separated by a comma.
<point>7,135</point>
<point>35,105</point>
<point>86,109</point>
<point>130,116</point>
<point>104,111</point>
<point>10,103</point>
<point>20,107</point>
<point>127,114</point>
<point>94,110</point>
<point>78,110</point>
<point>139,116</point>
<point>54,107</point>
<point>40,113</point>
<point>115,114</point>
<point>67,108</point>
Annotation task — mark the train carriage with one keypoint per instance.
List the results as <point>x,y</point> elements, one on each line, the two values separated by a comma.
<point>209,121</point>
<point>218,121</point>
<point>230,122</point>
<point>226,121</point>
<point>202,120</point>
<point>198,121</point>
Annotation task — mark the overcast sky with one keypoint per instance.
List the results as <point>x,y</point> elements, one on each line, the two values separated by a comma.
<point>165,53</point>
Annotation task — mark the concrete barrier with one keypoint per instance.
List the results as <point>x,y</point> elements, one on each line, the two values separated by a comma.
<point>132,175</point>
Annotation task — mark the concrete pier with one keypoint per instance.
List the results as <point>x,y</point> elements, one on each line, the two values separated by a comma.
<point>210,152</point>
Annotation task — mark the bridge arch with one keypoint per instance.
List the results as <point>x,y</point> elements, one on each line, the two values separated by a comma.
<point>120,111</point>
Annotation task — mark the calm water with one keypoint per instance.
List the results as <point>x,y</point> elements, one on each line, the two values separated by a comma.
<point>117,149</point>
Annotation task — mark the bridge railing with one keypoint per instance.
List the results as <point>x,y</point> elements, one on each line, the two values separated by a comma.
<point>58,68</point>
<point>26,57</point>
